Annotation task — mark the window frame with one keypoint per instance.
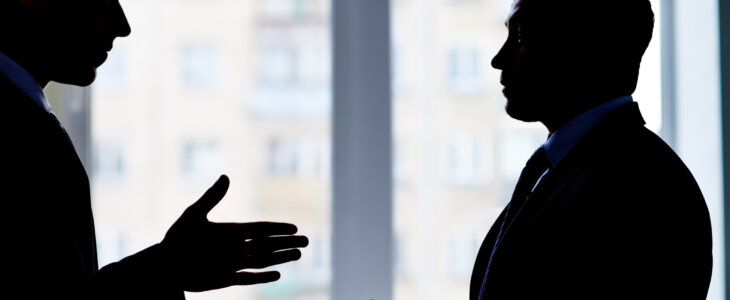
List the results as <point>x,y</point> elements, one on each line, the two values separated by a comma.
<point>362,185</point>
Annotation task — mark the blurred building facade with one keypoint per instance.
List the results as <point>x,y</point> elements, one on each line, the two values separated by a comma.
<point>202,88</point>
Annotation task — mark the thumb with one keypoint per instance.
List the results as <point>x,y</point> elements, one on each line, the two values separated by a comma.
<point>210,199</point>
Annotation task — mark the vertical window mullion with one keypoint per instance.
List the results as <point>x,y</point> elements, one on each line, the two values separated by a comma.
<point>362,211</point>
<point>697,114</point>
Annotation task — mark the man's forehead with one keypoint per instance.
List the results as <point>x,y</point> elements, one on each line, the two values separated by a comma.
<point>516,13</point>
<point>535,12</point>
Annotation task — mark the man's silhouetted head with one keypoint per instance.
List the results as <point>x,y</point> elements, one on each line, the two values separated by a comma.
<point>563,57</point>
<point>60,40</point>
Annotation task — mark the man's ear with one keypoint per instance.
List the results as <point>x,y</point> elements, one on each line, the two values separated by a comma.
<point>590,50</point>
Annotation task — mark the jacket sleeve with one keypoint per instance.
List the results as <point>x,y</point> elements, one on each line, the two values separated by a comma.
<point>139,276</point>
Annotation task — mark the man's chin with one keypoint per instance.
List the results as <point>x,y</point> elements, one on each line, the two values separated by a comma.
<point>521,112</point>
<point>78,77</point>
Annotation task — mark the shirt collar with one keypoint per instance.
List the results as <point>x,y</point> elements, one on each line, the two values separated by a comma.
<point>21,78</point>
<point>567,136</point>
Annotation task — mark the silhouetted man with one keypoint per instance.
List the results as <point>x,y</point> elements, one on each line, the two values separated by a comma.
<point>47,231</point>
<point>604,209</point>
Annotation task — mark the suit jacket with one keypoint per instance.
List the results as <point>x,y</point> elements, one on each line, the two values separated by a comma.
<point>47,231</point>
<point>620,217</point>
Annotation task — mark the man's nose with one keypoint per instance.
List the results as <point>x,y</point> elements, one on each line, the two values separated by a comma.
<point>119,19</point>
<point>498,60</point>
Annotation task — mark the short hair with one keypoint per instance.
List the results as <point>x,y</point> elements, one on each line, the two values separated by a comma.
<point>627,25</point>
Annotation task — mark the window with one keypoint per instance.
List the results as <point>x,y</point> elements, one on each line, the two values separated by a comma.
<point>290,9</point>
<point>278,61</point>
<point>305,158</point>
<point>108,162</point>
<point>463,249</point>
<point>306,8</point>
<point>262,69</point>
<point>465,71</point>
<point>283,157</point>
<point>292,67</point>
<point>467,161</point>
<point>281,98</point>
<point>467,155</point>
<point>292,59</point>
<point>201,66</point>
<point>201,160</point>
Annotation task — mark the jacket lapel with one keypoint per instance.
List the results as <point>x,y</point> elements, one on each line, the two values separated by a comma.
<point>551,186</point>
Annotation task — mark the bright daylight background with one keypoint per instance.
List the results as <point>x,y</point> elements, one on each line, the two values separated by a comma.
<point>202,88</point>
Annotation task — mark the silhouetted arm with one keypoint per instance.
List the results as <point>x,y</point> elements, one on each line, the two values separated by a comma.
<point>199,255</point>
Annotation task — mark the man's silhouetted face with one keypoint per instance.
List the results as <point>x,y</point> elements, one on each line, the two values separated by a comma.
<point>536,68</point>
<point>65,40</point>
<point>562,58</point>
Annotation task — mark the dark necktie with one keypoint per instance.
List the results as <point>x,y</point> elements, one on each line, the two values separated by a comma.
<point>534,169</point>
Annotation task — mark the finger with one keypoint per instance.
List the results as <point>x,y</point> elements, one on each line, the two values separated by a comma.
<point>249,278</point>
<point>262,261</point>
<point>210,199</point>
<point>256,229</point>
<point>276,243</point>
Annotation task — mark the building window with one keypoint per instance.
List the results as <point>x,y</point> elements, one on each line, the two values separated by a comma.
<point>314,159</point>
<point>283,157</point>
<point>108,162</point>
<point>201,160</point>
<point>463,251</point>
<point>290,9</point>
<point>278,61</point>
<point>306,8</point>
<point>465,71</point>
<point>293,74</point>
<point>276,9</point>
<point>303,157</point>
<point>293,59</point>
<point>201,66</point>
<point>467,161</point>
<point>515,148</point>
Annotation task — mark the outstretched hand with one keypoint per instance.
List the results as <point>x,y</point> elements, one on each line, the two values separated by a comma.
<point>204,255</point>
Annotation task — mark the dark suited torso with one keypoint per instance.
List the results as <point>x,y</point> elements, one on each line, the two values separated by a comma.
<point>47,222</point>
<point>620,217</point>
<point>47,232</point>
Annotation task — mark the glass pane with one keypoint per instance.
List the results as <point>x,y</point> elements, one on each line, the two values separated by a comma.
<point>457,153</point>
<point>202,88</point>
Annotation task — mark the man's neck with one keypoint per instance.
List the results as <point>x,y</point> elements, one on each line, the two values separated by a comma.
<point>575,107</point>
